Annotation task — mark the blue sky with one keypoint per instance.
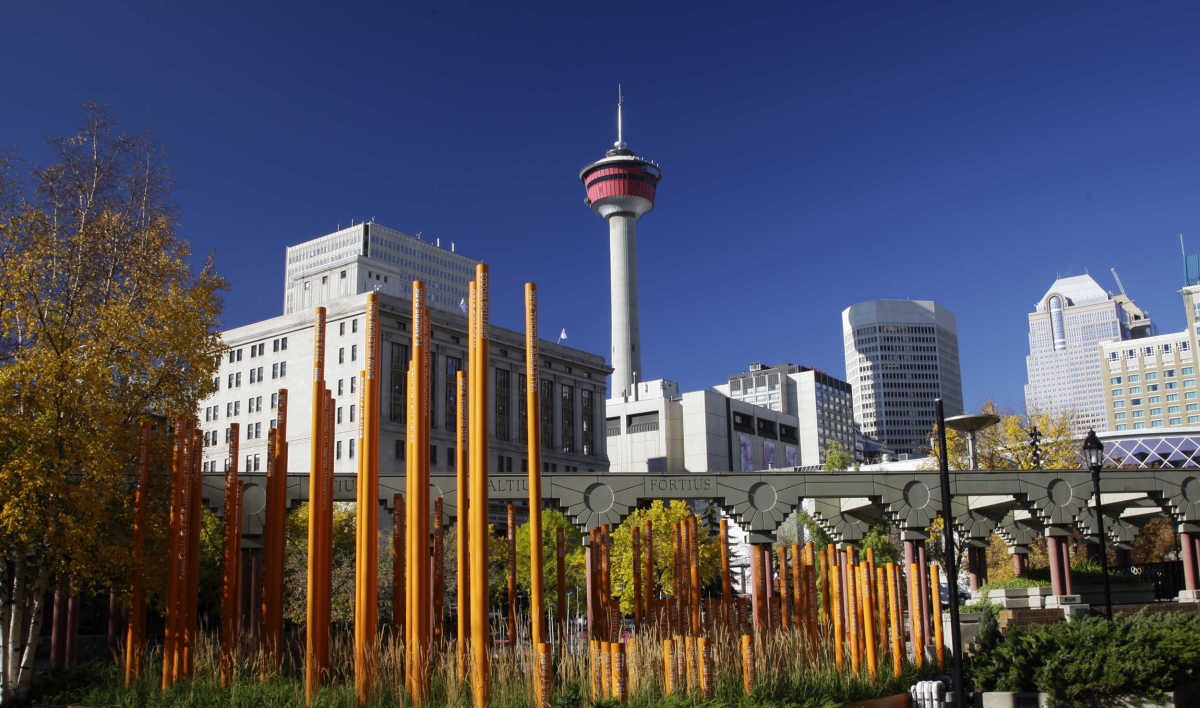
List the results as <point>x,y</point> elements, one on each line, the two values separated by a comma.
<point>814,154</point>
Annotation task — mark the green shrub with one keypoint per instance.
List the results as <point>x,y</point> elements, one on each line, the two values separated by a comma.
<point>1013,584</point>
<point>1091,661</point>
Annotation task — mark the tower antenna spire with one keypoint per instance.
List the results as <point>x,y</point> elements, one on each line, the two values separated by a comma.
<point>620,128</point>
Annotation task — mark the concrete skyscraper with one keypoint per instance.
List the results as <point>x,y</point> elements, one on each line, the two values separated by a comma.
<point>900,356</point>
<point>620,188</point>
<point>1066,330</point>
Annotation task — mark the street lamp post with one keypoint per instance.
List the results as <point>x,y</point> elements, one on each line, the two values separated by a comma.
<point>1093,452</point>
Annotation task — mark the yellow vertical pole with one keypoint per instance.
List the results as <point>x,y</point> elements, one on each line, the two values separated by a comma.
<point>594,657</point>
<point>606,687</point>
<point>135,637</point>
<point>311,671</point>
<point>324,575</point>
<point>537,597</point>
<point>828,561</point>
<point>463,587</point>
<point>868,620</point>
<point>936,590</point>
<point>785,608</point>
<point>275,542</point>
<point>706,675</point>
<point>810,590</point>
<point>914,614</point>
<point>881,594</point>
<point>894,620</point>
<point>694,565</point>
<point>545,664</point>
<point>618,672</point>
<point>231,562</point>
<point>481,678</point>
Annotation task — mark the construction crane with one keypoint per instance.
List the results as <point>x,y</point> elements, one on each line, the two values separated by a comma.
<point>1118,279</point>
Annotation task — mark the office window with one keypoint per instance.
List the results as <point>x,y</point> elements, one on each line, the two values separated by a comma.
<point>1172,397</point>
<point>586,423</point>
<point>283,344</point>
<point>1176,421</point>
<point>546,411</point>
<point>1134,378</point>
<point>399,449</point>
<point>338,453</point>
<point>1169,373</point>
<point>1139,414</point>
<point>1134,389</point>
<point>341,328</point>
<point>252,373</point>
<point>1187,371</point>
<point>1115,380</point>
<point>1189,395</point>
<point>283,368</point>
<point>339,387</point>
<point>503,392</point>
<point>1119,416</point>
<point>1151,376</point>
<point>351,448</point>
<point>339,414</point>
<point>568,419</point>
<point>341,355</point>
<point>1154,399</point>
<point>1151,387</point>
<point>1118,392</point>
<point>433,456</point>
<point>237,379</point>
<point>354,325</point>
<point>352,378</point>
<point>1172,409</point>
<point>353,352</point>
<point>1156,411</point>
<point>275,371</point>
<point>351,412</point>
<point>1135,401</point>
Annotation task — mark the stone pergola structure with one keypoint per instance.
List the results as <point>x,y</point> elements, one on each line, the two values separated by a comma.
<point>1020,506</point>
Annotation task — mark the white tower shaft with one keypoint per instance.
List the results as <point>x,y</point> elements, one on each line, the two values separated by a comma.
<point>626,339</point>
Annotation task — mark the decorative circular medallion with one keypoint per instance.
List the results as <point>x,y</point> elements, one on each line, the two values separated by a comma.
<point>916,494</point>
<point>1059,491</point>
<point>598,498</point>
<point>1190,489</point>
<point>762,496</point>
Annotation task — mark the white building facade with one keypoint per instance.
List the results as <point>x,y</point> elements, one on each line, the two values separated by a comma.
<point>370,257</point>
<point>822,404</point>
<point>1150,383</point>
<point>1067,328</point>
<point>266,356</point>
<point>900,356</point>
<point>660,430</point>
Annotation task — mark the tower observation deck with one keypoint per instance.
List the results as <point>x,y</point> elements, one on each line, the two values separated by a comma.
<point>621,188</point>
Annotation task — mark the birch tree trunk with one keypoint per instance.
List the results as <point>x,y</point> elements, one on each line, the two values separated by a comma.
<point>15,629</point>
<point>36,612</point>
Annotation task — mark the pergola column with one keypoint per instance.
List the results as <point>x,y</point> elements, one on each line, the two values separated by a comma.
<point>592,566</point>
<point>1187,549</point>
<point>1020,559</point>
<point>976,564</point>
<point>1056,571</point>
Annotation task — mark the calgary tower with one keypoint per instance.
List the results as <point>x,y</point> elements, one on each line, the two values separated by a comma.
<point>620,188</point>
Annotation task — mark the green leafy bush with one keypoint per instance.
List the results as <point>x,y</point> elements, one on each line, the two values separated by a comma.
<point>1091,661</point>
<point>1013,584</point>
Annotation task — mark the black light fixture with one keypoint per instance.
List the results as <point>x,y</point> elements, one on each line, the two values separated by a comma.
<point>1093,453</point>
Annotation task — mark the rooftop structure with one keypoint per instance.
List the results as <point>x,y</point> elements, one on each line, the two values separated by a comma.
<point>370,257</point>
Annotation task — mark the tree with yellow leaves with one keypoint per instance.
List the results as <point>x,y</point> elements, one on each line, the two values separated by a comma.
<point>102,323</point>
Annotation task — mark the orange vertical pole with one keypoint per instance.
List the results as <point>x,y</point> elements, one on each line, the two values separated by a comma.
<point>135,637</point>
<point>636,552</point>
<point>853,620</point>
<point>412,479</point>
<point>914,614</point>
<point>481,683</point>
<point>511,537</point>
<point>894,621</point>
<point>694,563</point>
<point>868,619</point>
<point>276,541</point>
<point>799,597</point>
<point>648,568</point>
<point>178,485</point>
<point>668,667</point>
<point>463,587</point>
<point>366,566</point>
<point>834,604</point>
<point>325,517</point>
<point>827,561</point>
<point>726,575</point>
<point>192,584</point>
<point>439,573</point>
<point>419,557</point>
<point>399,550</point>
<point>677,582</point>
<point>881,612</point>
<point>936,590</point>
<point>747,663</point>
<point>537,596</point>
<point>784,597</point>
<point>311,666</point>
<point>560,567</point>
<point>231,562</point>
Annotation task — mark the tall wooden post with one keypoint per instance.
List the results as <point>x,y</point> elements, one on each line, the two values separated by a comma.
<point>677,620</point>
<point>866,602</point>
<point>275,540</point>
<point>461,482</point>
<point>191,585</point>
<point>636,550</point>
<point>537,597</point>
<point>315,488</point>
<point>366,556</point>
<point>420,627</point>
<point>232,560</point>
<point>897,644</point>
<point>784,597</point>
<point>648,569</point>
<point>398,566</point>
<point>174,560</point>
<point>511,538</point>
<point>914,614</point>
<point>758,593</point>
<point>135,637</point>
<point>481,683</point>
<point>438,579</point>
<point>833,602</point>
<point>560,567</point>
<point>694,563</point>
